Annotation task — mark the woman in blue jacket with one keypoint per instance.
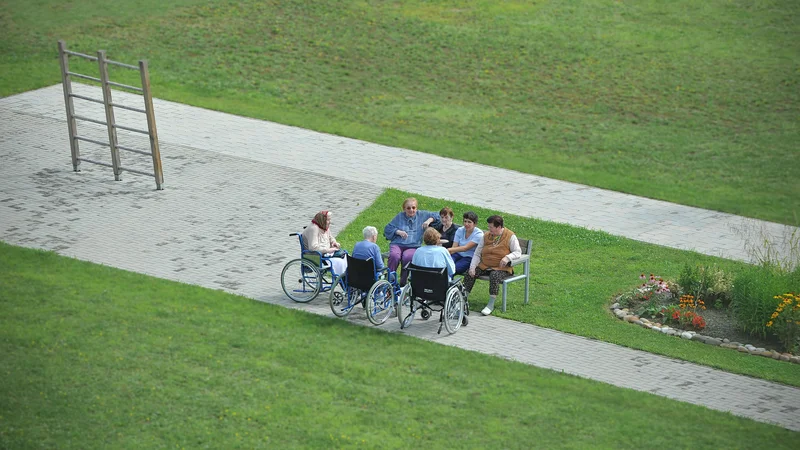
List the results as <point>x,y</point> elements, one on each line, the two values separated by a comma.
<point>404,233</point>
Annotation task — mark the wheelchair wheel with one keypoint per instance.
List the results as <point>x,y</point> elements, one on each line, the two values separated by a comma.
<point>425,314</point>
<point>453,310</point>
<point>343,300</point>
<point>300,280</point>
<point>380,302</point>
<point>405,307</point>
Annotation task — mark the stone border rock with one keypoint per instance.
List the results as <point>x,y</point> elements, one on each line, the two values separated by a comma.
<point>625,315</point>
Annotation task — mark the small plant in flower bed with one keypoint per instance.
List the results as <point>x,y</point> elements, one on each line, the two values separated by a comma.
<point>684,315</point>
<point>708,282</point>
<point>785,321</point>
<point>649,298</point>
<point>653,288</point>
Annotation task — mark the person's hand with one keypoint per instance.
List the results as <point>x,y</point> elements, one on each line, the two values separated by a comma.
<point>504,262</point>
<point>450,250</point>
<point>471,272</point>
<point>427,223</point>
<point>336,246</point>
<point>401,233</point>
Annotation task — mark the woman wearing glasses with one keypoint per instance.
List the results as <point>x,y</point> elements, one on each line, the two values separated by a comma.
<point>404,233</point>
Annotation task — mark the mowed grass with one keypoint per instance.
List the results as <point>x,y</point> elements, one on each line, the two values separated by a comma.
<point>576,273</point>
<point>692,102</point>
<point>96,357</point>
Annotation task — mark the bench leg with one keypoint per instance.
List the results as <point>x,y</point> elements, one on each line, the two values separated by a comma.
<point>505,286</point>
<point>527,288</point>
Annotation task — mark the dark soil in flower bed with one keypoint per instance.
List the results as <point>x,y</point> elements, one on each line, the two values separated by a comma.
<point>721,323</point>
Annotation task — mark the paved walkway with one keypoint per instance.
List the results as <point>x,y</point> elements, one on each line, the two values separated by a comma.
<point>236,186</point>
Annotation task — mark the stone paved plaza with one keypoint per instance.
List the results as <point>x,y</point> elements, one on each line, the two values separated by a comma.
<point>235,188</point>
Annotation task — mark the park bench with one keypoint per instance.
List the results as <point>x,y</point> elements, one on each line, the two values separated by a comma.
<point>527,247</point>
<point>525,260</point>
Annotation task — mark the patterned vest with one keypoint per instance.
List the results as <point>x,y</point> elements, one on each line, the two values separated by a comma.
<point>495,249</point>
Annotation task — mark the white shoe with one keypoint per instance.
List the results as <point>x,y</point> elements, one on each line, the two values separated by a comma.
<point>486,311</point>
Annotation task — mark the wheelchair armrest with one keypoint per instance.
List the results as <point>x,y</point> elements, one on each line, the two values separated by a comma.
<point>522,259</point>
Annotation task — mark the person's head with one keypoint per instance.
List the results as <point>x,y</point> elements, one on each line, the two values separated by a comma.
<point>446,216</point>
<point>370,233</point>
<point>322,219</point>
<point>410,207</point>
<point>495,224</point>
<point>431,236</point>
<point>469,219</point>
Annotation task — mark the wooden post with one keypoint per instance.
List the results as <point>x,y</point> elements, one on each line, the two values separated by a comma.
<point>151,125</point>
<point>71,124</point>
<point>112,131</point>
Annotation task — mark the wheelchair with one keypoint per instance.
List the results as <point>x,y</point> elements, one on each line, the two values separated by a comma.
<point>363,285</point>
<point>302,279</point>
<point>429,290</point>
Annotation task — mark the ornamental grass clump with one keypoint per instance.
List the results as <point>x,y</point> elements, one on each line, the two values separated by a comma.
<point>785,321</point>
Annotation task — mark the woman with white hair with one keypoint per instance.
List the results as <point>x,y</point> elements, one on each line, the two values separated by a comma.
<point>367,248</point>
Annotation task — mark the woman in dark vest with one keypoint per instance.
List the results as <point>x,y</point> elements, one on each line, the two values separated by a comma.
<point>493,257</point>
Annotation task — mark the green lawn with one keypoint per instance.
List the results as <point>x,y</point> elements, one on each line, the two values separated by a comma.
<point>693,102</point>
<point>576,273</point>
<point>96,357</point>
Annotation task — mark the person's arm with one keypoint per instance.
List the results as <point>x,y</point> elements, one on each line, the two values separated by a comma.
<point>311,236</point>
<point>462,248</point>
<point>333,243</point>
<point>377,258</point>
<point>516,250</point>
<point>451,266</point>
<point>476,258</point>
<point>431,217</point>
<point>392,229</point>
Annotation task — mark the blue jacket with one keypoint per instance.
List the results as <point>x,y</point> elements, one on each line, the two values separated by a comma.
<point>434,256</point>
<point>411,225</point>
<point>366,250</point>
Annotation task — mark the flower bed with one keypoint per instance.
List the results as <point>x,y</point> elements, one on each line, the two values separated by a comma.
<point>655,298</point>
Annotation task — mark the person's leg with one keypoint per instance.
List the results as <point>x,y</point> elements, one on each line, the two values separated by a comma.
<point>495,278</point>
<point>339,265</point>
<point>407,256</point>
<point>394,256</point>
<point>469,281</point>
<point>462,263</point>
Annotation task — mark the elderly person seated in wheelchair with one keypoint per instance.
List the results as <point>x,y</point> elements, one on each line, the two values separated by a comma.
<point>493,257</point>
<point>367,248</point>
<point>317,238</point>
<point>429,290</point>
<point>404,233</point>
<point>433,255</point>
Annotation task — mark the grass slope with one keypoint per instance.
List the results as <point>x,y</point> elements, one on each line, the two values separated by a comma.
<point>95,357</point>
<point>691,102</point>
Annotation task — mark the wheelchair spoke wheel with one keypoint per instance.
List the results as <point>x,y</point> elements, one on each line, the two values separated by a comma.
<point>343,299</point>
<point>405,310</point>
<point>453,310</point>
<point>300,280</point>
<point>380,302</point>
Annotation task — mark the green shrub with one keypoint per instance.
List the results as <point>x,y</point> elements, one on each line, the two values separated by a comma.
<point>753,295</point>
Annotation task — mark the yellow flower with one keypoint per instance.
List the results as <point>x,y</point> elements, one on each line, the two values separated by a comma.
<point>774,315</point>
<point>769,324</point>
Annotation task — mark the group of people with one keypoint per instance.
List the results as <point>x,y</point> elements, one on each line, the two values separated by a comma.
<point>462,250</point>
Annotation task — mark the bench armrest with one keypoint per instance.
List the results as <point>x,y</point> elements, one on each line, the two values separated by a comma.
<point>522,259</point>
